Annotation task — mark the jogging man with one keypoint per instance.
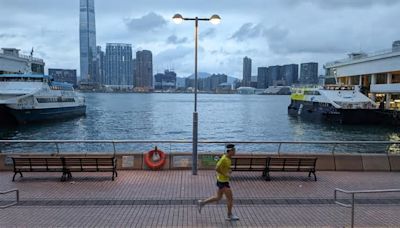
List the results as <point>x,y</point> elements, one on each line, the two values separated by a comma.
<point>223,169</point>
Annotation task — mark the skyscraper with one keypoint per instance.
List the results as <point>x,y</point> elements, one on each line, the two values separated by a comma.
<point>246,71</point>
<point>290,73</point>
<point>101,66</point>
<point>262,82</point>
<point>144,70</point>
<point>87,41</point>
<point>309,73</point>
<point>273,75</point>
<point>118,64</point>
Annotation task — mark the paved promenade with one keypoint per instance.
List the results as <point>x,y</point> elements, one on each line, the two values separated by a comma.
<point>167,199</point>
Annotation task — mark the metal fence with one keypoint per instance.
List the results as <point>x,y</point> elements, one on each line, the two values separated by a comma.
<point>12,203</point>
<point>351,205</point>
<point>176,146</point>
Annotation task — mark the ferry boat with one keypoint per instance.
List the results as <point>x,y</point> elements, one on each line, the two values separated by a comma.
<point>33,98</point>
<point>343,104</point>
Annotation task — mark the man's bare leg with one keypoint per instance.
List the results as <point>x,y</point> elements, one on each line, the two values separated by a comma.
<point>215,198</point>
<point>229,200</point>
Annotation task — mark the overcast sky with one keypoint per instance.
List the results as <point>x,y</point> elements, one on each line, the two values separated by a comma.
<point>270,32</point>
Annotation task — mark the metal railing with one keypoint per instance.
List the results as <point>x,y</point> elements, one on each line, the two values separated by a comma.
<point>351,205</point>
<point>13,203</point>
<point>395,145</point>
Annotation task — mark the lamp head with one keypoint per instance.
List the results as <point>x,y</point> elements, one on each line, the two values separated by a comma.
<point>215,19</point>
<point>177,18</point>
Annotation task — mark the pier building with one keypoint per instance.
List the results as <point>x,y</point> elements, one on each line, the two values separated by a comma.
<point>64,75</point>
<point>12,62</point>
<point>377,74</point>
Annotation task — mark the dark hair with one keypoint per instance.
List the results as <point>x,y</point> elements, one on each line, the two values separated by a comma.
<point>230,147</point>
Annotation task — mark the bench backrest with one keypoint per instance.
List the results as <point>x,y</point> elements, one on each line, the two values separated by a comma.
<point>35,163</point>
<point>89,163</point>
<point>248,162</point>
<point>293,163</point>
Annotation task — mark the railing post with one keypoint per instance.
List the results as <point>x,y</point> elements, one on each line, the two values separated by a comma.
<point>114,148</point>
<point>58,149</point>
<point>279,149</point>
<point>352,210</point>
<point>333,149</point>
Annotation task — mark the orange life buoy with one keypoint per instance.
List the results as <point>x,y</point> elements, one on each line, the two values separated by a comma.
<point>155,165</point>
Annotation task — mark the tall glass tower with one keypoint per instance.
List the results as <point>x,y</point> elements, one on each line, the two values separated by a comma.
<point>87,41</point>
<point>246,71</point>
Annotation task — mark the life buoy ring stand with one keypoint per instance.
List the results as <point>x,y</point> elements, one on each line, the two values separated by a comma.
<point>155,165</point>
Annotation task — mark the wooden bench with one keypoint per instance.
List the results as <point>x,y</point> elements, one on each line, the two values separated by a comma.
<point>37,164</point>
<point>90,164</point>
<point>267,164</point>
<point>249,163</point>
<point>291,164</point>
<point>64,164</point>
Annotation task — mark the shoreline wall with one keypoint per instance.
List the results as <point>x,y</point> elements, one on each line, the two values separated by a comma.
<point>183,161</point>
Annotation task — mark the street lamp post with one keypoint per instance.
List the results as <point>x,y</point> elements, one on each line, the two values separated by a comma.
<point>214,19</point>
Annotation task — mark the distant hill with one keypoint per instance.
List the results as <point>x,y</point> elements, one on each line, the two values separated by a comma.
<point>200,75</point>
<point>205,75</point>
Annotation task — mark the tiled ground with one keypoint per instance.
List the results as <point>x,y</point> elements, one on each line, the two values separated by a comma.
<point>166,198</point>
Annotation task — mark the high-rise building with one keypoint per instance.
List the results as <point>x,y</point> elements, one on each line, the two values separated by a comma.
<point>87,41</point>
<point>309,73</point>
<point>64,75</point>
<point>246,71</point>
<point>143,80</point>
<point>273,75</point>
<point>396,45</point>
<point>262,82</point>
<point>118,64</point>
<point>217,79</point>
<point>165,81</point>
<point>290,73</point>
<point>101,68</point>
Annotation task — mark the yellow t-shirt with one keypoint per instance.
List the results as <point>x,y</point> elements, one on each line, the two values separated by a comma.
<point>225,165</point>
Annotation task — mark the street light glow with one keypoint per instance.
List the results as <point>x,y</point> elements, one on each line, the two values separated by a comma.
<point>177,18</point>
<point>215,19</point>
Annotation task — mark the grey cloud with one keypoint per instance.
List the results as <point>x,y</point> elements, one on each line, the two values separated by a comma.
<point>175,40</point>
<point>248,30</point>
<point>352,3</point>
<point>207,33</point>
<point>7,35</point>
<point>335,4</point>
<point>281,41</point>
<point>275,33</point>
<point>174,53</point>
<point>149,22</point>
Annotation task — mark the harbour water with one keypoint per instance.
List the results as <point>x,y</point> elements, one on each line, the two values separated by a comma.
<point>158,116</point>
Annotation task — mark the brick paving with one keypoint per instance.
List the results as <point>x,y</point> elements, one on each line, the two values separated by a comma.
<point>167,199</point>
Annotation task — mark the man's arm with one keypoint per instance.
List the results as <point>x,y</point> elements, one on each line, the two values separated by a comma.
<point>220,171</point>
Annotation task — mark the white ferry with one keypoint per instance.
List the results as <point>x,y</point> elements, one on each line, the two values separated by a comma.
<point>32,98</point>
<point>344,104</point>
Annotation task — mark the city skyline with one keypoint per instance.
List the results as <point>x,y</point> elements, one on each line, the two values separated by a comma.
<point>270,33</point>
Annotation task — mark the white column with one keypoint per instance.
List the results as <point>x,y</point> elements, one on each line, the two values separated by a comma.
<point>360,80</point>
<point>373,82</point>
<point>388,98</point>
<point>389,78</point>
<point>388,95</point>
